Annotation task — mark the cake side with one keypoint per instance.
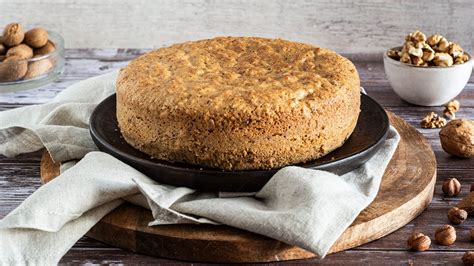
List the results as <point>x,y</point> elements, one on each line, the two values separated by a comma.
<point>311,108</point>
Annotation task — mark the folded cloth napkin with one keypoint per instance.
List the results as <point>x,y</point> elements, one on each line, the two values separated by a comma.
<point>302,207</point>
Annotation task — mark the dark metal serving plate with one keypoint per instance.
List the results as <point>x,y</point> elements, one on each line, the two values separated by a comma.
<point>368,136</point>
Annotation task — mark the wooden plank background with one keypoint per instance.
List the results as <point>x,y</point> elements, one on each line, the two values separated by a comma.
<point>346,26</point>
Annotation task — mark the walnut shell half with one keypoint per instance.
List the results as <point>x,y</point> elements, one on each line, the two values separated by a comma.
<point>457,138</point>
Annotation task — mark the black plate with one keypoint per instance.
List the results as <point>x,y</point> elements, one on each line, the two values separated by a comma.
<point>367,138</point>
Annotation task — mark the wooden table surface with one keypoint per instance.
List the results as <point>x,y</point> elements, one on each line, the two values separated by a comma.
<point>19,177</point>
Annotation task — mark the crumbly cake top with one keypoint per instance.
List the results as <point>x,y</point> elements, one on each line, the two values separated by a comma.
<point>244,75</point>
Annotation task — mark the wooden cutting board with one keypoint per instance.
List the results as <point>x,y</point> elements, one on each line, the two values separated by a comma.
<point>406,190</point>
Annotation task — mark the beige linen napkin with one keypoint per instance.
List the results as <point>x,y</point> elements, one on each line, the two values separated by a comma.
<point>303,207</point>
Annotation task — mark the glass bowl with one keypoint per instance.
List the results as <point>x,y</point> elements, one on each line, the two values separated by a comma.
<point>39,70</point>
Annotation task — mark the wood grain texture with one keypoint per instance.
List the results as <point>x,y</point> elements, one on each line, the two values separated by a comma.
<point>368,26</point>
<point>406,190</point>
<point>19,176</point>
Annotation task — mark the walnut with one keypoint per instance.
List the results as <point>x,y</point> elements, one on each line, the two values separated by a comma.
<point>433,120</point>
<point>455,50</point>
<point>442,46</point>
<point>13,34</point>
<point>38,68</point>
<point>457,138</point>
<point>456,215</point>
<point>443,59</point>
<point>467,204</point>
<point>434,39</point>
<point>417,61</point>
<point>450,109</point>
<point>461,60</point>
<point>468,258</point>
<point>405,58</point>
<point>451,187</point>
<point>428,53</point>
<point>23,51</point>
<point>449,114</point>
<point>418,242</point>
<point>445,235</point>
<point>48,48</point>
<point>433,51</point>
<point>394,54</point>
<point>416,50</point>
<point>36,37</point>
<point>453,105</point>
<point>13,68</point>
<point>416,36</point>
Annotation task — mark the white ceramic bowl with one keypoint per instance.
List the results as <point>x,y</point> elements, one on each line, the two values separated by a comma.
<point>427,86</point>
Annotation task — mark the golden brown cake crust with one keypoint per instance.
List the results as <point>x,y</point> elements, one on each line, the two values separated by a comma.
<point>238,102</point>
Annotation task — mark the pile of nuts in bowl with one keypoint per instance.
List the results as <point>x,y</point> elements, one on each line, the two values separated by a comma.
<point>435,50</point>
<point>21,53</point>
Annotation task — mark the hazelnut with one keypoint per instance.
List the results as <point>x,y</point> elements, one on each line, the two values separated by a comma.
<point>471,234</point>
<point>456,215</point>
<point>451,187</point>
<point>445,235</point>
<point>13,34</point>
<point>467,204</point>
<point>48,48</point>
<point>13,68</point>
<point>36,37</point>
<point>457,138</point>
<point>418,242</point>
<point>468,258</point>
<point>23,51</point>
<point>38,68</point>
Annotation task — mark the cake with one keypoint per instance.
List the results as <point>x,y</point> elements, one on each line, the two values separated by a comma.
<point>238,103</point>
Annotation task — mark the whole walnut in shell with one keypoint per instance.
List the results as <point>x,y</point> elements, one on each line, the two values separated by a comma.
<point>13,68</point>
<point>13,34</point>
<point>457,138</point>
<point>38,68</point>
<point>23,51</point>
<point>48,48</point>
<point>36,37</point>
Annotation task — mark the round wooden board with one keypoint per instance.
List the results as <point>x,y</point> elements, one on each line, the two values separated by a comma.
<point>406,190</point>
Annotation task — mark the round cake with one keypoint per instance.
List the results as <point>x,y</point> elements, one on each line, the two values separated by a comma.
<point>238,103</point>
